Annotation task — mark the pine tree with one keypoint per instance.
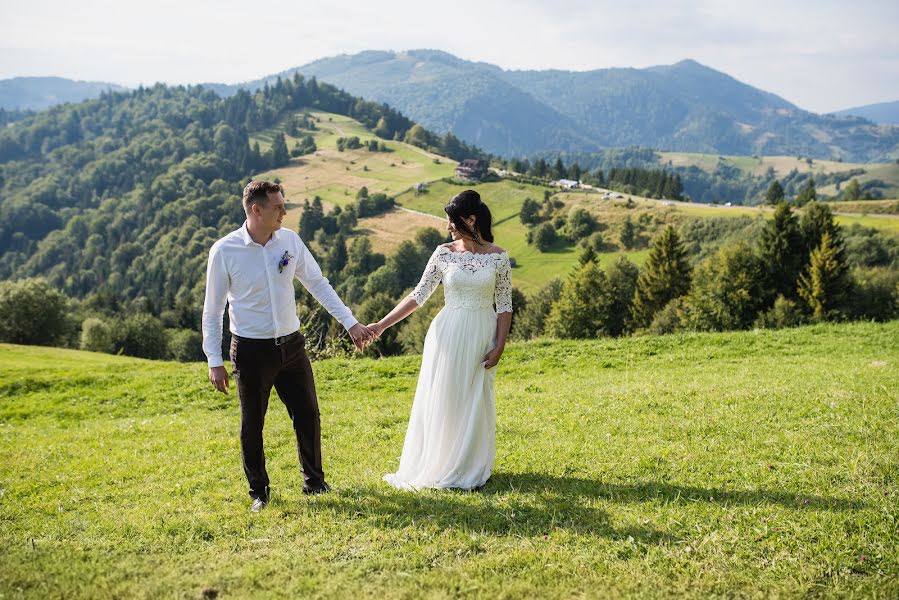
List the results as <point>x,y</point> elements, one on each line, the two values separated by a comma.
<point>280,153</point>
<point>808,193</point>
<point>336,258</point>
<point>622,276</point>
<point>825,285</point>
<point>665,276</point>
<point>817,219</point>
<point>853,190</point>
<point>311,219</point>
<point>588,255</point>
<point>558,169</point>
<point>628,233</point>
<point>781,251</point>
<point>531,322</point>
<point>775,194</point>
<point>580,311</point>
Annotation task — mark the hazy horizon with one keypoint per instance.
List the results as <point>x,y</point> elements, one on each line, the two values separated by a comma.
<point>816,55</point>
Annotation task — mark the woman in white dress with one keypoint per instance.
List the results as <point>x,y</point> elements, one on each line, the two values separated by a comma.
<point>451,438</point>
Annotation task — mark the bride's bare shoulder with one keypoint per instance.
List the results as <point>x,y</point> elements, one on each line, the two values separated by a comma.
<point>497,249</point>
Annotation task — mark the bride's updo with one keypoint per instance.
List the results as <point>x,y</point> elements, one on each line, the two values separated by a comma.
<point>467,203</point>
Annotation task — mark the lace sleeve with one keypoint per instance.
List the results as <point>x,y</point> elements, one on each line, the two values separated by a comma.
<point>503,294</point>
<point>429,280</point>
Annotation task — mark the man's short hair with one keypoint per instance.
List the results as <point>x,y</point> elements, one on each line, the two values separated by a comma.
<point>258,191</point>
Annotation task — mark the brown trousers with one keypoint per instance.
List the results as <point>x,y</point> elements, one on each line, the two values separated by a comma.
<point>258,365</point>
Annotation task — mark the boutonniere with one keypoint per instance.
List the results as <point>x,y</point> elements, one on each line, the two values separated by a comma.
<point>285,258</point>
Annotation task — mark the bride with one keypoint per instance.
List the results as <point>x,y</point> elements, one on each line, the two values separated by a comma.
<point>451,438</point>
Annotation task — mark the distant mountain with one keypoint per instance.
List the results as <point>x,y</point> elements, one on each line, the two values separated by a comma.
<point>683,107</point>
<point>38,93</point>
<point>883,112</point>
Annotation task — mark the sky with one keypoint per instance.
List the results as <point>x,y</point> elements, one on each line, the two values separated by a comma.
<point>822,55</point>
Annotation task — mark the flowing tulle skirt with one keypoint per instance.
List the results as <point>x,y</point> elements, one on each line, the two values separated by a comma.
<point>451,438</point>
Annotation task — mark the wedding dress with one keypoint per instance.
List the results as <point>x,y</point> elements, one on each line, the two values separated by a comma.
<point>451,437</point>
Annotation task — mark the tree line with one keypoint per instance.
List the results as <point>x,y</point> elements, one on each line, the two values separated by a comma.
<point>792,271</point>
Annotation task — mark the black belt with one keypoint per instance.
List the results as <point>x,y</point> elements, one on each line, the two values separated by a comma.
<point>278,341</point>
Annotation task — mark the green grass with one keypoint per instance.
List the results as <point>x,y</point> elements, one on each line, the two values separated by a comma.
<point>883,207</point>
<point>752,464</point>
<point>883,223</point>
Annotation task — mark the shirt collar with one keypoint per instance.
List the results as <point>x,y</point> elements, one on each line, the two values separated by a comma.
<point>247,239</point>
<point>245,234</point>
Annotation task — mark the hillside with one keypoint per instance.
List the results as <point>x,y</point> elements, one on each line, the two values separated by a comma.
<point>38,93</point>
<point>647,467</point>
<point>744,179</point>
<point>681,107</point>
<point>882,177</point>
<point>336,176</point>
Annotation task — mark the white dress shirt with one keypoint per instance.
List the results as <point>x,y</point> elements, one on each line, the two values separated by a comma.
<point>260,298</point>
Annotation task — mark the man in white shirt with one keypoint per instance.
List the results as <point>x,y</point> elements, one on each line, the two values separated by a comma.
<point>253,269</point>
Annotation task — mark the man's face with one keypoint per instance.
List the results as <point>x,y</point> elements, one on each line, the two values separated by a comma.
<point>272,212</point>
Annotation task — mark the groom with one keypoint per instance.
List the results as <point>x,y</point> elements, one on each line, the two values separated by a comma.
<point>253,269</point>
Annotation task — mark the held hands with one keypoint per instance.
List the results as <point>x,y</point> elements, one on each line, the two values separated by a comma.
<point>362,336</point>
<point>377,329</point>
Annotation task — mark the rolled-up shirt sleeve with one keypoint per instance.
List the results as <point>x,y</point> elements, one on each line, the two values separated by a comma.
<point>310,275</point>
<point>217,282</point>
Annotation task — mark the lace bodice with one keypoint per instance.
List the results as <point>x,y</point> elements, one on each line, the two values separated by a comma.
<point>469,280</point>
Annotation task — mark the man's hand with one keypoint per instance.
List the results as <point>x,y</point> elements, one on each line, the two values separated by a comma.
<point>362,336</point>
<point>218,377</point>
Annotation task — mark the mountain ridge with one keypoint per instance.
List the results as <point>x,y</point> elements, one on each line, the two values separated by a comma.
<point>884,113</point>
<point>38,93</point>
<point>685,106</point>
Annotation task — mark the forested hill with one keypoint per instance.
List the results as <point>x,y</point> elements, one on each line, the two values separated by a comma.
<point>685,107</point>
<point>116,200</point>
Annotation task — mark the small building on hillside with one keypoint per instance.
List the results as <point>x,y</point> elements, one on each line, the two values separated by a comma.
<point>568,184</point>
<point>472,169</point>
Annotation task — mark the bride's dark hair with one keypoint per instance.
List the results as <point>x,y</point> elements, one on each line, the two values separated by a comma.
<point>467,203</point>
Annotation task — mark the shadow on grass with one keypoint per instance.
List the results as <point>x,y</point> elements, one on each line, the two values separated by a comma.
<point>534,504</point>
<point>479,512</point>
<point>504,219</point>
<point>647,491</point>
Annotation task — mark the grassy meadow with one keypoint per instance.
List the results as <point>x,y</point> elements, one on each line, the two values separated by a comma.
<point>336,176</point>
<point>752,464</point>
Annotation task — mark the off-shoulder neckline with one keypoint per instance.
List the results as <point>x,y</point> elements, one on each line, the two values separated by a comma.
<point>472,253</point>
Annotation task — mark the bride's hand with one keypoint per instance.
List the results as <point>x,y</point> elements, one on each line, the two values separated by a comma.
<point>377,328</point>
<point>491,359</point>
